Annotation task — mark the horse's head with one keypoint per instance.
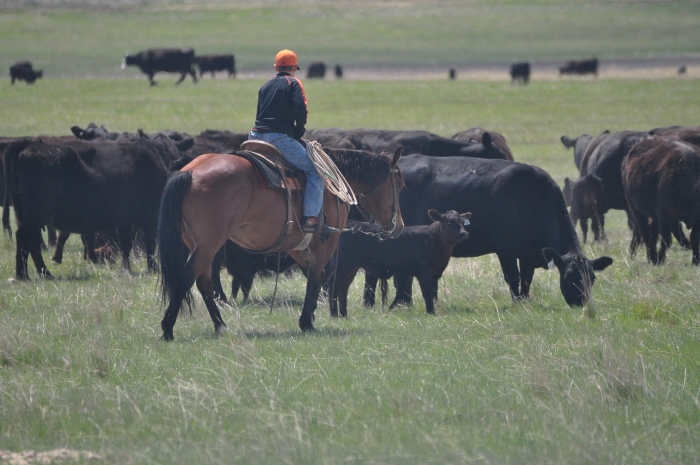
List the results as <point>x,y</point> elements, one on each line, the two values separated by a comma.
<point>381,201</point>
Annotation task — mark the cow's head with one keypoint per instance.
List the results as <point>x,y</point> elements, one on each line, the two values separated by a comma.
<point>128,60</point>
<point>452,225</point>
<point>576,274</point>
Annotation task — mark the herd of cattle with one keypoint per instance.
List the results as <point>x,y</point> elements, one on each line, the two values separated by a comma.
<point>185,62</point>
<point>107,187</point>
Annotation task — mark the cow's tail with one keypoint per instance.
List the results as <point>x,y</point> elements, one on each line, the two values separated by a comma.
<point>12,152</point>
<point>172,251</point>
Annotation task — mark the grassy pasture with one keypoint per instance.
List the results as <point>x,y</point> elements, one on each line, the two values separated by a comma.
<point>486,381</point>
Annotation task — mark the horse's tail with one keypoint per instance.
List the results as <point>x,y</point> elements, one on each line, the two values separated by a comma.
<point>12,152</point>
<point>172,251</point>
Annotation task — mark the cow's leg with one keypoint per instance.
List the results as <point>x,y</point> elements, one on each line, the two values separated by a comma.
<point>426,282</point>
<point>246,285</point>
<point>182,78</point>
<point>125,243</point>
<point>151,80</point>
<point>370,290</point>
<point>404,292</point>
<point>677,230</point>
<point>526,274</point>
<point>206,289</point>
<point>216,274</point>
<point>584,228</point>
<point>640,231</point>
<point>60,245</point>
<point>149,239</point>
<point>695,243</point>
<point>509,266</point>
<point>652,256</point>
<point>194,75</point>
<point>338,291</point>
<point>29,243</point>
<point>665,224</point>
<point>51,234</point>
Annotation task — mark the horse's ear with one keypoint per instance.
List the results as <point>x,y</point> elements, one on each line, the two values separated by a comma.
<point>397,154</point>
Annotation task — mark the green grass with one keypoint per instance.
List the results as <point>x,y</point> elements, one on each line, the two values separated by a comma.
<point>486,381</point>
<point>86,42</point>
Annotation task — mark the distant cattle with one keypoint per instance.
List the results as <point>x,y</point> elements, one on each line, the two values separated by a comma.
<point>518,213</point>
<point>85,187</point>
<point>420,251</point>
<point>338,72</point>
<point>24,71</point>
<point>214,63</point>
<point>682,70</point>
<point>452,74</point>
<point>316,70</point>
<point>480,136</point>
<point>520,72</point>
<point>168,60</point>
<point>589,66</point>
<point>378,140</point>
<point>661,180</point>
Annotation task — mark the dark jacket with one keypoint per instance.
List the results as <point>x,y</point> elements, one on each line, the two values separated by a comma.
<point>282,106</point>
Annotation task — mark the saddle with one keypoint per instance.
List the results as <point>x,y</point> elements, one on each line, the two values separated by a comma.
<point>276,173</point>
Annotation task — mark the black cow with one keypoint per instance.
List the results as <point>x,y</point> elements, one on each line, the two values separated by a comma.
<point>661,180</point>
<point>214,63</point>
<point>520,72</point>
<point>580,67</point>
<point>518,213</point>
<point>338,72</point>
<point>599,189</point>
<point>583,146</point>
<point>420,251</point>
<point>84,187</point>
<point>316,70</point>
<point>243,265</point>
<point>378,140</point>
<point>168,60</point>
<point>452,74</point>
<point>24,71</point>
<point>482,136</point>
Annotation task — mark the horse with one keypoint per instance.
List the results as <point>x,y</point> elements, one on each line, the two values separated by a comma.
<point>220,196</point>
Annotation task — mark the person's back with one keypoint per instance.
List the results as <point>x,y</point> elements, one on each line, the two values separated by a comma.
<point>280,120</point>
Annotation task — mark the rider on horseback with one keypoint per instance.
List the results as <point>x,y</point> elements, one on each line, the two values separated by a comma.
<point>280,121</point>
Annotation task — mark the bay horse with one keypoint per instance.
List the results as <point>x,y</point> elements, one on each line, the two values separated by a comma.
<point>220,196</point>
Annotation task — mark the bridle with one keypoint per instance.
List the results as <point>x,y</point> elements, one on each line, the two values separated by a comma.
<point>392,223</point>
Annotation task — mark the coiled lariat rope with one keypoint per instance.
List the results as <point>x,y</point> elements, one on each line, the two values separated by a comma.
<point>332,177</point>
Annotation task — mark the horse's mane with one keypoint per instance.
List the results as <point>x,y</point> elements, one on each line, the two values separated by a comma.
<point>360,165</point>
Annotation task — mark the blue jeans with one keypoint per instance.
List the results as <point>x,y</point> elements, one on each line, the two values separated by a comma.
<point>295,154</point>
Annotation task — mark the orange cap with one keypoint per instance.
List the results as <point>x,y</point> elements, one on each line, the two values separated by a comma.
<point>286,58</point>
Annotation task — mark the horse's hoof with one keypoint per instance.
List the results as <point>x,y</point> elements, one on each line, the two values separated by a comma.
<point>219,330</point>
<point>167,337</point>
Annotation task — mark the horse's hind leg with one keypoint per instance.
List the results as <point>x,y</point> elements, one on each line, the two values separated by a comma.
<point>205,285</point>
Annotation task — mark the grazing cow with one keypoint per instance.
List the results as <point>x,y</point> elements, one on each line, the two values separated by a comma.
<point>243,265</point>
<point>580,67</point>
<point>23,71</point>
<point>682,70</point>
<point>214,63</point>
<point>520,72</point>
<point>84,187</point>
<point>452,74</point>
<point>338,72</point>
<point>168,60</point>
<point>420,251</point>
<point>661,180</point>
<point>518,213</point>
<point>481,136</point>
<point>377,140</point>
<point>316,70</point>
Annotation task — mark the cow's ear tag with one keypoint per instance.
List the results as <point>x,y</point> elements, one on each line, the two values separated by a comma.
<point>466,223</point>
<point>551,265</point>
